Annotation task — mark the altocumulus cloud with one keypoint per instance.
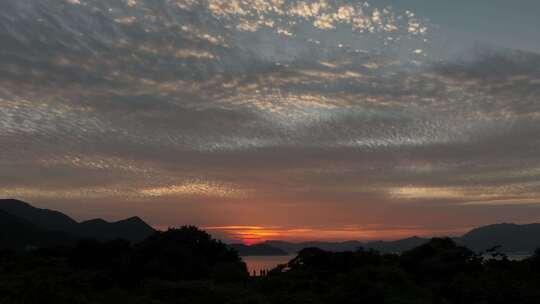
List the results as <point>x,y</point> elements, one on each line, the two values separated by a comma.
<point>342,112</point>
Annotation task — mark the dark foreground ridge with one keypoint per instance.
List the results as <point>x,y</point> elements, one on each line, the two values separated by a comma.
<point>187,265</point>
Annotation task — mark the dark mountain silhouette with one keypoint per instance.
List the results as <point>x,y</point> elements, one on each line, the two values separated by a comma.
<point>44,218</point>
<point>133,229</point>
<point>257,250</point>
<point>511,237</point>
<point>396,246</point>
<point>382,246</point>
<point>23,225</point>
<point>292,248</point>
<point>19,234</point>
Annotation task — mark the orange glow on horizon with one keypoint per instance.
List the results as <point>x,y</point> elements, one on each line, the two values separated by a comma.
<point>250,235</point>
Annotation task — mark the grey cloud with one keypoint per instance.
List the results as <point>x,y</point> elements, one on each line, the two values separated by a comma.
<point>106,97</point>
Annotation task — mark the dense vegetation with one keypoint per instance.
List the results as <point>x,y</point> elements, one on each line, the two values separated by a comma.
<point>187,266</point>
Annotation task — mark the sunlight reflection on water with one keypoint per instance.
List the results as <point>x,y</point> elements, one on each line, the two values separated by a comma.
<point>258,263</point>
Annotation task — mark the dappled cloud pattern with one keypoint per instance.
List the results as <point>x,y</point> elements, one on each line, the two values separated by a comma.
<point>265,112</point>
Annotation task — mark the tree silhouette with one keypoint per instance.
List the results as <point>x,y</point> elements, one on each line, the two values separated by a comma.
<point>188,253</point>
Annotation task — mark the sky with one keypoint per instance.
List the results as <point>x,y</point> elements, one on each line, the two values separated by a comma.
<point>274,119</point>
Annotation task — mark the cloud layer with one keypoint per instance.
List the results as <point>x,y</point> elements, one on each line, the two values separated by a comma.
<point>293,114</point>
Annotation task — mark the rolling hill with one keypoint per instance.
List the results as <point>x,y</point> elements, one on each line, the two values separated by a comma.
<point>28,218</point>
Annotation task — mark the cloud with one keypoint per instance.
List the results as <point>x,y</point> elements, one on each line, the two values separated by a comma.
<point>193,188</point>
<point>504,202</point>
<point>313,103</point>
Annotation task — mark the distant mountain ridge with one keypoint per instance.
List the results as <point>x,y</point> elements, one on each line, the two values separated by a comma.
<point>23,225</point>
<point>512,238</point>
<point>44,221</point>
<point>382,246</point>
<point>396,246</point>
<point>291,247</point>
<point>257,250</point>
